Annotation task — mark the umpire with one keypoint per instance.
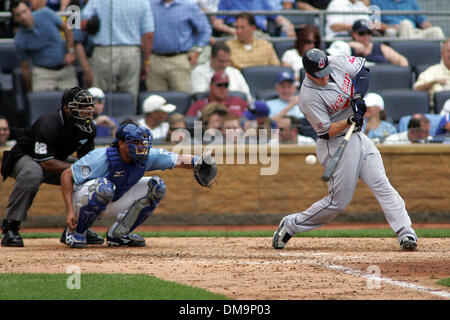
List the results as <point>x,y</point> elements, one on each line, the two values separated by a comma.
<point>41,155</point>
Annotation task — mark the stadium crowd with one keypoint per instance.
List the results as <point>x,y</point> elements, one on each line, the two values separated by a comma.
<point>180,62</point>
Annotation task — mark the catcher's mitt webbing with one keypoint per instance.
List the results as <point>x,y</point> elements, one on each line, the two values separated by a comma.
<point>205,169</point>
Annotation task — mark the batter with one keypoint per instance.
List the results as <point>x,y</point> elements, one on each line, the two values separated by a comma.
<point>331,100</point>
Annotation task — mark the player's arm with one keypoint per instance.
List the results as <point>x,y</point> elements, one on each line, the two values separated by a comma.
<point>67,191</point>
<point>26,74</point>
<point>186,161</point>
<point>337,128</point>
<point>54,165</point>
<point>70,44</point>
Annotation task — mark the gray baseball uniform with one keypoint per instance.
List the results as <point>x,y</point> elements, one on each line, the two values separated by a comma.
<point>323,105</point>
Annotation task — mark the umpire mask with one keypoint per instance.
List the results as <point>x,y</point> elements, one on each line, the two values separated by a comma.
<point>82,110</point>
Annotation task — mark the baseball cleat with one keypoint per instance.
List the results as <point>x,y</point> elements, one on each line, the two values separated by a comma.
<point>408,243</point>
<point>281,236</point>
<point>130,240</point>
<point>91,237</point>
<point>76,240</point>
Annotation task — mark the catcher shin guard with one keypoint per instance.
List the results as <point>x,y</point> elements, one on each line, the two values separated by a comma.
<point>140,210</point>
<point>90,206</point>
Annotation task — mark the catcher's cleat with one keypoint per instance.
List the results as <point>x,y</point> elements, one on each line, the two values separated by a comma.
<point>408,243</point>
<point>11,236</point>
<point>281,236</point>
<point>91,237</point>
<point>130,240</point>
<point>76,240</point>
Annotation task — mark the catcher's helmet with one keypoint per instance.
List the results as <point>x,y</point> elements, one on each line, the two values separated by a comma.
<point>316,63</point>
<point>139,140</point>
<point>81,106</point>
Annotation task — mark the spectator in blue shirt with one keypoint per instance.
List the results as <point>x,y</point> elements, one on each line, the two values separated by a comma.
<point>125,35</point>
<point>179,27</point>
<point>226,24</point>
<point>407,25</point>
<point>38,40</point>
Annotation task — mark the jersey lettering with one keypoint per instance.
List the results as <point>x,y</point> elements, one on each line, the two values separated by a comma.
<point>40,148</point>
<point>347,83</point>
<point>352,59</point>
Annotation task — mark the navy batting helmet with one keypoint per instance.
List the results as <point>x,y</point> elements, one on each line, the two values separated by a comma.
<point>316,63</point>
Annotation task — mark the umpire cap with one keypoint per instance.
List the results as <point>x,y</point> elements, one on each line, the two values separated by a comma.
<point>316,63</point>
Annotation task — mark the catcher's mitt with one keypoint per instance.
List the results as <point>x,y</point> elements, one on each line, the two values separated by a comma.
<point>205,170</point>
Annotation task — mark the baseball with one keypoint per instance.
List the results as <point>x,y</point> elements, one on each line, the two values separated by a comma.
<point>311,159</point>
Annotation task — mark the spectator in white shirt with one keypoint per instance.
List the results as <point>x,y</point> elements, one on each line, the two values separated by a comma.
<point>341,24</point>
<point>156,110</point>
<point>220,62</point>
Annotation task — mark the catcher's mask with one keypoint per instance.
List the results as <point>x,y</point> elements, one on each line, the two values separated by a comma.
<point>82,110</point>
<point>139,140</point>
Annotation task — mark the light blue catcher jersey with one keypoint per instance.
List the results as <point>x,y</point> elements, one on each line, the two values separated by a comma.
<point>96,165</point>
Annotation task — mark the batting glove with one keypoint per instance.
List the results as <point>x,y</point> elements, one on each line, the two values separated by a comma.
<point>358,104</point>
<point>357,118</point>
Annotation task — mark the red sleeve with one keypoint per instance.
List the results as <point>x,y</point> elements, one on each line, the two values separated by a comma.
<point>196,108</point>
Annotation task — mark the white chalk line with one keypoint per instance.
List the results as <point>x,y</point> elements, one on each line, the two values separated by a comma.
<point>344,269</point>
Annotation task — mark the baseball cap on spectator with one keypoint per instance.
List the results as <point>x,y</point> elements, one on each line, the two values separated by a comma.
<point>285,76</point>
<point>339,48</point>
<point>220,77</point>
<point>258,109</point>
<point>97,93</point>
<point>374,100</point>
<point>362,25</point>
<point>154,103</point>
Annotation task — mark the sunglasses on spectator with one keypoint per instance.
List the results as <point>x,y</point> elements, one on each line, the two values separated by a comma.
<point>222,85</point>
<point>363,33</point>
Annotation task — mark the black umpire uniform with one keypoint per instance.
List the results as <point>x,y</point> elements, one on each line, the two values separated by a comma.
<point>54,135</point>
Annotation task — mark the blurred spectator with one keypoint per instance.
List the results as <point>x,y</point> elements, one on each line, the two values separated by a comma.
<point>37,4</point>
<point>106,126</point>
<point>362,46</point>
<point>405,25</point>
<point>156,109</point>
<point>179,26</point>
<point>376,127</point>
<point>444,125</point>
<point>38,40</point>
<point>279,5</point>
<point>339,48</point>
<point>119,46</point>
<point>287,101</point>
<point>59,5</point>
<point>228,24</point>
<point>212,116</point>
<point>257,116</point>
<point>312,4</point>
<point>5,133</point>
<point>220,62</point>
<point>437,77</point>
<point>308,37</point>
<point>341,24</point>
<point>232,129</point>
<point>288,132</point>
<point>219,92</point>
<point>176,121</point>
<point>247,50</point>
<point>418,131</point>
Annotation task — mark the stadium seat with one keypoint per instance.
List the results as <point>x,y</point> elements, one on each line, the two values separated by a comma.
<point>262,77</point>
<point>434,122</point>
<point>439,100</point>
<point>8,57</point>
<point>418,51</point>
<point>281,46</point>
<point>200,95</point>
<point>181,99</point>
<point>388,76</point>
<point>402,102</point>
<point>119,105</point>
<point>419,69</point>
<point>43,102</point>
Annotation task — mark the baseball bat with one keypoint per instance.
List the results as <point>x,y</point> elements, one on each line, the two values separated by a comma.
<point>338,155</point>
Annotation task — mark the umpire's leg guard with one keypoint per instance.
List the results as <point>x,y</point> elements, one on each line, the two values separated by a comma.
<point>90,206</point>
<point>140,210</point>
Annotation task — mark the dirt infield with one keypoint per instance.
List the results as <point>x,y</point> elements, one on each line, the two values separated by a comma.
<point>249,268</point>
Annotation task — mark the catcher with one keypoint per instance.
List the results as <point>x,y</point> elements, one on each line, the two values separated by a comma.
<point>110,182</point>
